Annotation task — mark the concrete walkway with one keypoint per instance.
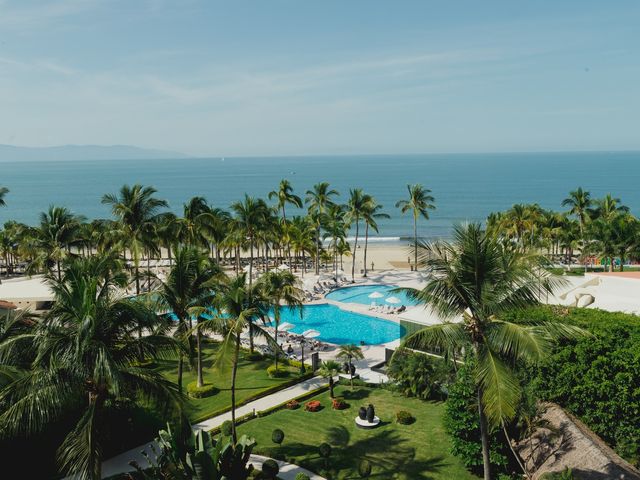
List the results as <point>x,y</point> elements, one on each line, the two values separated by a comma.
<point>288,471</point>
<point>120,463</point>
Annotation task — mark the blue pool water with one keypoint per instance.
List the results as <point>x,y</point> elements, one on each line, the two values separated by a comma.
<point>341,327</point>
<point>360,294</point>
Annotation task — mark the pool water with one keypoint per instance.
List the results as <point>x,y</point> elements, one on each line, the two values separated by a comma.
<point>360,294</point>
<point>340,326</point>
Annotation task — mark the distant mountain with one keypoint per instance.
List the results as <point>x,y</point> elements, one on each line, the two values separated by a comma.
<point>10,153</point>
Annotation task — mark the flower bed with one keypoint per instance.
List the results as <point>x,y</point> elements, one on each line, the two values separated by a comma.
<point>312,406</point>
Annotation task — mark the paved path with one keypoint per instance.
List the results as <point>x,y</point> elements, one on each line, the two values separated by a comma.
<point>120,463</point>
<point>288,471</point>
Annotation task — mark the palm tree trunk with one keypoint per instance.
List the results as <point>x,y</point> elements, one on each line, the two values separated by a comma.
<point>59,273</point>
<point>250,260</point>
<point>180,370</point>
<point>234,371</point>
<point>200,381</point>
<point>484,436</point>
<point>318,250</point>
<point>366,241</point>
<point>353,260</point>
<point>415,242</point>
<point>331,384</point>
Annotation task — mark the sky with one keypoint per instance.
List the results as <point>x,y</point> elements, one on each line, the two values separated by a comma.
<point>278,77</point>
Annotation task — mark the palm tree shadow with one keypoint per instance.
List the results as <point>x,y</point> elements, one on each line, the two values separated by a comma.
<point>359,394</point>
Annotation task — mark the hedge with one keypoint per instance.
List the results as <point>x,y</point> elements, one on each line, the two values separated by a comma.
<point>206,390</point>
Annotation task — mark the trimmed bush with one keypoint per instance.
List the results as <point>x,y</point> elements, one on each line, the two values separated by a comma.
<point>312,406</point>
<point>364,468</point>
<point>270,468</point>
<point>404,418</point>
<point>292,405</point>
<point>324,450</point>
<point>277,436</point>
<point>226,428</point>
<point>207,390</point>
<point>302,476</point>
<point>338,404</point>
<point>274,372</point>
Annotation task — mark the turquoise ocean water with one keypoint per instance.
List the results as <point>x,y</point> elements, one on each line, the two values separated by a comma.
<point>466,187</point>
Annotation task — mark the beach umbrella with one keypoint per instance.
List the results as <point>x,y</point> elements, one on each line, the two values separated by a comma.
<point>284,266</point>
<point>393,300</point>
<point>311,333</point>
<point>286,326</point>
<point>376,295</point>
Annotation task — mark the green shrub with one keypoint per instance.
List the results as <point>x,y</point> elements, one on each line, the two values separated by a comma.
<point>207,390</point>
<point>277,436</point>
<point>274,372</point>
<point>364,468</point>
<point>462,423</point>
<point>226,428</point>
<point>324,449</point>
<point>270,468</point>
<point>254,356</point>
<point>421,376</point>
<point>594,377</point>
<point>404,418</point>
<point>566,474</point>
<point>302,476</point>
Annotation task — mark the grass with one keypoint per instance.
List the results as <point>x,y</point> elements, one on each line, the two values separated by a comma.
<point>251,379</point>
<point>403,452</point>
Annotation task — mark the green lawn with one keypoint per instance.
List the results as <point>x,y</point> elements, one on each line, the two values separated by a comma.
<point>417,451</point>
<point>252,379</point>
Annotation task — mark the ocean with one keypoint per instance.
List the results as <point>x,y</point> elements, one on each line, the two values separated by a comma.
<point>467,187</point>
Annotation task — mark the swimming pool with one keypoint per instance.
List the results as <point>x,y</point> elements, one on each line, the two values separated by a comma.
<point>340,326</point>
<point>360,294</point>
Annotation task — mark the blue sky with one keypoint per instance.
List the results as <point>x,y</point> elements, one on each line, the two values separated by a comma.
<point>301,77</point>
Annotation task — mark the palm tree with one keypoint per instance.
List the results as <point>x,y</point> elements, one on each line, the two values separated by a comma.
<point>349,353</point>
<point>356,208</point>
<point>608,206</point>
<point>56,234</point>
<point>285,195</point>
<point>329,369</point>
<point>318,200</point>
<point>188,293</point>
<point>84,361</point>
<point>3,192</point>
<point>419,203</point>
<point>580,204</point>
<point>250,217</point>
<point>137,211</point>
<point>197,223</point>
<point>233,297</point>
<point>477,278</point>
<point>370,215</point>
<point>336,230</point>
<point>301,235</point>
<point>281,287</point>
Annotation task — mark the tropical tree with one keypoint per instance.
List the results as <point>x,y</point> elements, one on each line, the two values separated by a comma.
<point>419,203</point>
<point>579,202</point>
<point>197,223</point>
<point>56,234</point>
<point>608,206</point>
<point>251,214</point>
<point>370,215</point>
<point>188,293</point>
<point>138,213</point>
<point>301,239</point>
<point>318,200</point>
<point>476,278</point>
<point>350,352</point>
<point>329,369</point>
<point>284,195</point>
<point>85,361</point>
<point>278,288</point>
<point>3,192</point>
<point>356,208</point>
<point>335,228</point>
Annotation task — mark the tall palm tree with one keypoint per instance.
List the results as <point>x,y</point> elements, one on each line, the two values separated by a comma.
<point>301,235</point>
<point>3,192</point>
<point>318,200</point>
<point>419,203</point>
<point>329,369</point>
<point>356,208</point>
<point>608,206</point>
<point>56,234</point>
<point>251,214</point>
<point>278,288</point>
<point>335,227</point>
<point>476,277</point>
<point>84,361</point>
<point>579,202</point>
<point>138,212</point>
<point>197,223</point>
<point>349,353</point>
<point>188,293</point>
<point>370,215</point>
<point>284,195</point>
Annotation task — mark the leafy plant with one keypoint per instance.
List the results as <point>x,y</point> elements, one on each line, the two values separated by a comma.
<point>270,468</point>
<point>364,468</point>
<point>207,390</point>
<point>302,476</point>
<point>404,418</point>
<point>419,375</point>
<point>277,436</point>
